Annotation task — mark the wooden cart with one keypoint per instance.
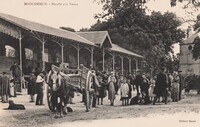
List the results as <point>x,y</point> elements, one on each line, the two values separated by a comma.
<point>78,81</point>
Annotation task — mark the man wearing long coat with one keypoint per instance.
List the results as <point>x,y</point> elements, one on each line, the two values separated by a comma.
<point>161,85</point>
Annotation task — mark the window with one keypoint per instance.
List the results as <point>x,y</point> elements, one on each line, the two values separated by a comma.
<point>28,54</point>
<point>10,51</point>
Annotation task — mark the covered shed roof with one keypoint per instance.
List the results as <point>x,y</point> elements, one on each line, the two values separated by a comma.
<point>97,37</point>
<point>37,27</point>
<point>117,48</point>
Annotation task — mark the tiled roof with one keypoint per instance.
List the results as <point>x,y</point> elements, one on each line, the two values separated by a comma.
<point>191,38</point>
<point>117,48</point>
<point>37,27</point>
<point>97,37</point>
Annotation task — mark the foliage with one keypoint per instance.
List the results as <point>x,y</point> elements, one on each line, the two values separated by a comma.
<point>196,48</point>
<point>197,24</point>
<point>195,3</point>
<point>129,26</point>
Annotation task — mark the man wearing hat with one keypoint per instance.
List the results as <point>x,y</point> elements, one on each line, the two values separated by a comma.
<point>161,86</point>
<point>138,81</point>
<point>39,88</point>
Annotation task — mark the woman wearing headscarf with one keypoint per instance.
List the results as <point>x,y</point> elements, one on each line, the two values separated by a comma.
<point>175,87</point>
<point>111,88</point>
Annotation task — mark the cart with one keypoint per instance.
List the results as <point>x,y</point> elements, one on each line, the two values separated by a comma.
<point>78,81</point>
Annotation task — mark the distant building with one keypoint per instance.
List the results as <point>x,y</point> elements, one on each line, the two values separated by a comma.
<point>188,65</point>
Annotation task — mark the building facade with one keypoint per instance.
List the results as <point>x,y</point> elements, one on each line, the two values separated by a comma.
<point>35,45</point>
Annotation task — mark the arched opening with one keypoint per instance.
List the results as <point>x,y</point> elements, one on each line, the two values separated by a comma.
<point>70,56</point>
<point>28,54</point>
<point>10,51</point>
<point>126,65</point>
<point>133,66</point>
<point>98,59</point>
<point>85,57</point>
<point>31,54</point>
<point>118,62</point>
<point>108,62</point>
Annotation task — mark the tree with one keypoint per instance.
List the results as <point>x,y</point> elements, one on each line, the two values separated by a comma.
<point>197,23</point>
<point>129,26</point>
<point>196,42</point>
<point>196,48</point>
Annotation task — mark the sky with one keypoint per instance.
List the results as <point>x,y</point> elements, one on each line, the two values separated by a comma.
<point>76,14</point>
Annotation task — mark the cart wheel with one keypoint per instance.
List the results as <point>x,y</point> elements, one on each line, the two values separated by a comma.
<point>87,101</point>
<point>50,100</point>
<point>87,92</point>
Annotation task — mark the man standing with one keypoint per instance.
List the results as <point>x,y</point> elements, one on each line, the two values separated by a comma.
<point>39,88</point>
<point>138,81</point>
<point>15,72</point>
<point>4,86</point>
<point>161,86</point>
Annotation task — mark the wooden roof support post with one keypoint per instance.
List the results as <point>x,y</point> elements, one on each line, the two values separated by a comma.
<point>43,61</point>
<point>129,59</point>
<point>62,52</point>
<point>92,57</point>
<point>103,59</point>
<point>122,65</point>
<point>20,58</point>
<point>136,65</point>
<point>78,55</point>
<point>113,61</point>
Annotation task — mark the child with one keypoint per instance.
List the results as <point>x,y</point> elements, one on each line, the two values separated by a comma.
<point>130,90</point>
<point>31,86</point>
<point>12,89</point>
<point>124,92</point>
<point>151,89</point>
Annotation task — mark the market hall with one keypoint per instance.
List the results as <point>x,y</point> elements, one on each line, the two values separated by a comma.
<point>35,45</point>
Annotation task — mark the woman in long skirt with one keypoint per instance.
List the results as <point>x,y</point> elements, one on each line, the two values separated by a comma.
<point>101,90</point>
<point>175,88</point>
<point>111,88</point>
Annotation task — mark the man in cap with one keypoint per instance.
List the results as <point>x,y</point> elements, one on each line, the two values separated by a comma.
<point>39,88</point>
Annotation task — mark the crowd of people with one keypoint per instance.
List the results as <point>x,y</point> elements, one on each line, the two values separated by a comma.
<point>161,88</point>
<point>11,83</point>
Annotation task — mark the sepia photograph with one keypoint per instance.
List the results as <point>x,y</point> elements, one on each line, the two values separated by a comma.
<point>97,63</point>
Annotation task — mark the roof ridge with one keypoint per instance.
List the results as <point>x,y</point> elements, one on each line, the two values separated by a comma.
<point>9,18</point>
<point>91,31</point>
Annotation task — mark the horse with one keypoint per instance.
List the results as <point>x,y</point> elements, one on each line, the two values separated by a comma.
<point>61,93</point>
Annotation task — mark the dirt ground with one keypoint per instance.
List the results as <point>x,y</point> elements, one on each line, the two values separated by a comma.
<point>41,116</point>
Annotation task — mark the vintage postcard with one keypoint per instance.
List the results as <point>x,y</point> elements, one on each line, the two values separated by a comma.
<point>95,63</point>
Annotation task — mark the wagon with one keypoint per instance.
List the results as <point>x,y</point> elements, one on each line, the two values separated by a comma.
<point>77,81</point>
